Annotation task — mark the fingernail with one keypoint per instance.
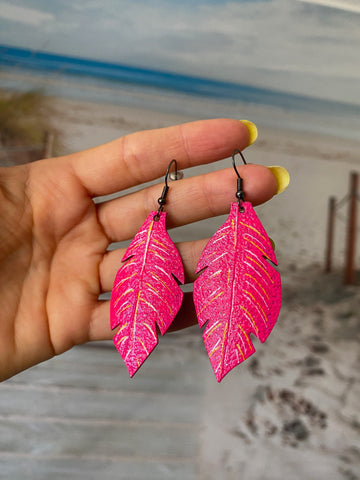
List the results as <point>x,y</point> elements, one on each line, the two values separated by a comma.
<point>282,178</point>
<point>252,129</point>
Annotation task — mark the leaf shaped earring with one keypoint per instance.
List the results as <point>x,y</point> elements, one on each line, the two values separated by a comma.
<point>146,289</point>
<point>238,291</point>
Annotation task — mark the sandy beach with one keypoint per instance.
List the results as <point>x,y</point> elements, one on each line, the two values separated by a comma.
<point>292,410</point>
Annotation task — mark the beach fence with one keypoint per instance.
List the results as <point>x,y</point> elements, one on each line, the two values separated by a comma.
<point>351,199</point>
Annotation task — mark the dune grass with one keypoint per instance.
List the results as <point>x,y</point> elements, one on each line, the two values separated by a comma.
<point>25,120</point>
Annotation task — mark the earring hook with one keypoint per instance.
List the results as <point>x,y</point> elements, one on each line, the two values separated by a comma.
<point>240,194</point>
<point>173,161</point>
<point>235,152</point>
<point>162,199</point>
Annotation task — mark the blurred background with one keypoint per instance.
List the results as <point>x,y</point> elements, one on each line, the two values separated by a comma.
<point>77,74</point>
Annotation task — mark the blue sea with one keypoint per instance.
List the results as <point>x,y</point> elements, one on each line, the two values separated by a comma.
<point>92,80</point>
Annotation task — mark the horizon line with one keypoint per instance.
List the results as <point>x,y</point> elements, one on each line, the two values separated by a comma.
<point>198,85</point>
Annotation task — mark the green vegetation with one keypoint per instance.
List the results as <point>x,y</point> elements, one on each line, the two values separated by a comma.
<point>24,124</point>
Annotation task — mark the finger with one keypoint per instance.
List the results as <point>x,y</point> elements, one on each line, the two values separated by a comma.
<point>188,201</point>
<point>99,328</point>
<point>189,251</point>
<point>144,156</point>
<point>186,316</point>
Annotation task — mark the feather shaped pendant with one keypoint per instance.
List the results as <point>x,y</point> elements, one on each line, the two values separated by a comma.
<point>238,291</point>
<point>146,292</point>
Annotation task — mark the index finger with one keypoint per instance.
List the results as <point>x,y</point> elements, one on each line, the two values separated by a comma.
<point>144,156</point>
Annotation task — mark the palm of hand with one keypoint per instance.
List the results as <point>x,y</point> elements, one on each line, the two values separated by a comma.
<point>52,288</point>
<point>53,238</point>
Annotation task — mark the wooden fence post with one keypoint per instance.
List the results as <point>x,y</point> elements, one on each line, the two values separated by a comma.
<point>349,278</point>
<point>330,234</point>
<point>48,144</point>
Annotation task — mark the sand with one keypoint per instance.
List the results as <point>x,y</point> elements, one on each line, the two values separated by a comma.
<point>307,401</point>
<point>292,410</point>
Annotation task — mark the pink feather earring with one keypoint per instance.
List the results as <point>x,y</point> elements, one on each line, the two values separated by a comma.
<point>146,289</point>
<point>238,291</point>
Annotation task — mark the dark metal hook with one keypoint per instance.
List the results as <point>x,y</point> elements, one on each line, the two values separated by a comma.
<point>168,171</point>
<point>240,194</point>
<point>236,151</point>
<point>162,199</point>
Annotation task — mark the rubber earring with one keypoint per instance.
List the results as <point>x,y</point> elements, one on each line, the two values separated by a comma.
<point>146,289</point>
<point>238,291</point>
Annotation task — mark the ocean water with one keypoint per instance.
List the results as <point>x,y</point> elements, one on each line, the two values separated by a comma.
<point>102,82</point>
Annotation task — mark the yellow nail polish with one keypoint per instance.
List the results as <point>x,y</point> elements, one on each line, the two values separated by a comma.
<point>282,178</point>
<point>252,129</point>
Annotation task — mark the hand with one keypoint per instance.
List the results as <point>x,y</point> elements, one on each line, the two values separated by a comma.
<point>53,238</point>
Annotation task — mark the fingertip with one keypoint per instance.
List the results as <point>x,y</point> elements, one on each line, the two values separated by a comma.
<point>282,178</point>
<point>260,184</point>
<point>252,131</point>
<point>214,139</point>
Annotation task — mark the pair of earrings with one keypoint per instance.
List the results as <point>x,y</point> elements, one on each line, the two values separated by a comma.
<point>237,292</point>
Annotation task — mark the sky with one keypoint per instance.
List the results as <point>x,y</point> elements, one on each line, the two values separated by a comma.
<point>309,47</point>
